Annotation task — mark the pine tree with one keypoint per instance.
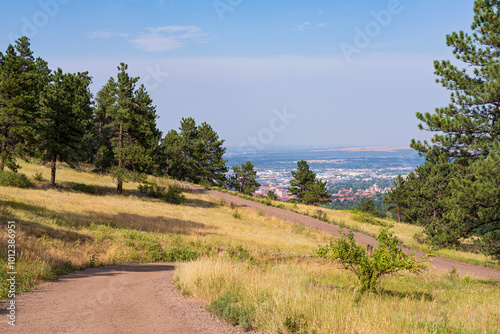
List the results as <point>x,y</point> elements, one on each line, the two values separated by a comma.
<point>195,153</point>
<point>21,80</point>
<point>306,187</point>
<point>447,194</point>
<point>244,179</point>
<point>126,121</point>
<point>301,178</point>
<point>468,127</point>
<point>64,119</point>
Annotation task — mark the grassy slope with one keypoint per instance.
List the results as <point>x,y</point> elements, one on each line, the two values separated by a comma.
<point>281,285</point>
<point>405,233</point>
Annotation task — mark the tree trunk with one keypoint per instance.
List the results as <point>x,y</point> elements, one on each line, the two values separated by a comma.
<point>4,147</point>
<point>119,188</point>
<point>53,170</point>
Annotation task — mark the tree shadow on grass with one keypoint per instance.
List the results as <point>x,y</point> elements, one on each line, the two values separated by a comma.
<point>417,295</point>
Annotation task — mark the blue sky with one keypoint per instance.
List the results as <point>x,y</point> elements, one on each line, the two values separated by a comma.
<point>296,72</point>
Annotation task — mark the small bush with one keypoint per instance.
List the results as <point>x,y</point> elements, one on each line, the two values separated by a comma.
<point>237,253</point>
<point>365,217</point>
<point>237,215</point>
<point>173,195</point>
<point>38,177</point>
<point>231,309</point>
<point>14,179</point>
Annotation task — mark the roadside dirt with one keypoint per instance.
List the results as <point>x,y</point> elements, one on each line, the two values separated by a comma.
<point>132,298</point>
<point>439,264</point>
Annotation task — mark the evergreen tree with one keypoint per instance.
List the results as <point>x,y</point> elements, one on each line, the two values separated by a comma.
<point>316,192</point>
<point>64,119</point>
<point>301,178</point>
<point>468,127</point>
<point>126,121</point>
<point>244,179</point>
<point>305,187</point>
<point>21,80</point>
<point>396,198</point>
<point>195,153</point>
<point>447,194</point>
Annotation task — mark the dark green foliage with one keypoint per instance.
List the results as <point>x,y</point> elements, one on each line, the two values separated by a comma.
<point>366,204</point>
<point>295,324</point>
<point>14,179</point>
<point>272,195</point>
<point>171,195</point>
<point>370,267</point>
<point>306,187</point>
<point>195,153</point>
<point>456,194</point>
<point>128,138</point>
<point>229,307</point>
<point>22,78</point>
<point>64,119</point>
<point>243,179</point>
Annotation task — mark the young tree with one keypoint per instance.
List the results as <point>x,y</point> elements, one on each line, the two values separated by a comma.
<point>21,80</point>
<point>386,259</point>
<point>305,187</point>
<point>64,119</point>
<point>272,195</point>
<point>127,125</point>
<point>244,179</point>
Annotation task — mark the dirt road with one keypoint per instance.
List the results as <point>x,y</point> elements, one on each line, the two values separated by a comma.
<point>439,264</point>
<point>132,298</point>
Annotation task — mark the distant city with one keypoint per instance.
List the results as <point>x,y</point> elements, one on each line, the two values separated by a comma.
<point>350,173</point>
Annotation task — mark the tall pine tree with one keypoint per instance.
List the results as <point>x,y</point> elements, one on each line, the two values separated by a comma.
<point>22,78</point>
<point>64,119</point>
<point>456,194</point>
<point>126,122</point>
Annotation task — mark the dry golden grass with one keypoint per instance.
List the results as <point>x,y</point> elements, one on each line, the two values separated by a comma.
<point>309,296</point>
<point>61,229</point>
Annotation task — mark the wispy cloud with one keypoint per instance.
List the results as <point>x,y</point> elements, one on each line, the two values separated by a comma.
<point>105,34</point>
<point>166,38</point>
<point>308,25</point>
<point>302,26</point>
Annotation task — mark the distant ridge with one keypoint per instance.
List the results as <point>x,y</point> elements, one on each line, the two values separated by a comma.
<point>366,149</point>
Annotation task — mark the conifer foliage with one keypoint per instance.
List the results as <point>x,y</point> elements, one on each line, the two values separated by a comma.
<point>195,153</point>
<point>64,119</point>
<point>21,80</point>
<point>128,135</point>
<point>456,193</point>
<point>306,187</point>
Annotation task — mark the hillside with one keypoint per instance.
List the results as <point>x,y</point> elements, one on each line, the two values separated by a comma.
<point>259,270</point>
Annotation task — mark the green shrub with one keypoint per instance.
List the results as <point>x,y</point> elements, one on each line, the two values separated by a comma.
<point>38,177</point>
<point>236,214</point>
<point>365,217</point>
<point>229,307</point>
<point>237,253</point>
<point>14,179</point>
<point>171,195</point>
<point>370,266</point>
